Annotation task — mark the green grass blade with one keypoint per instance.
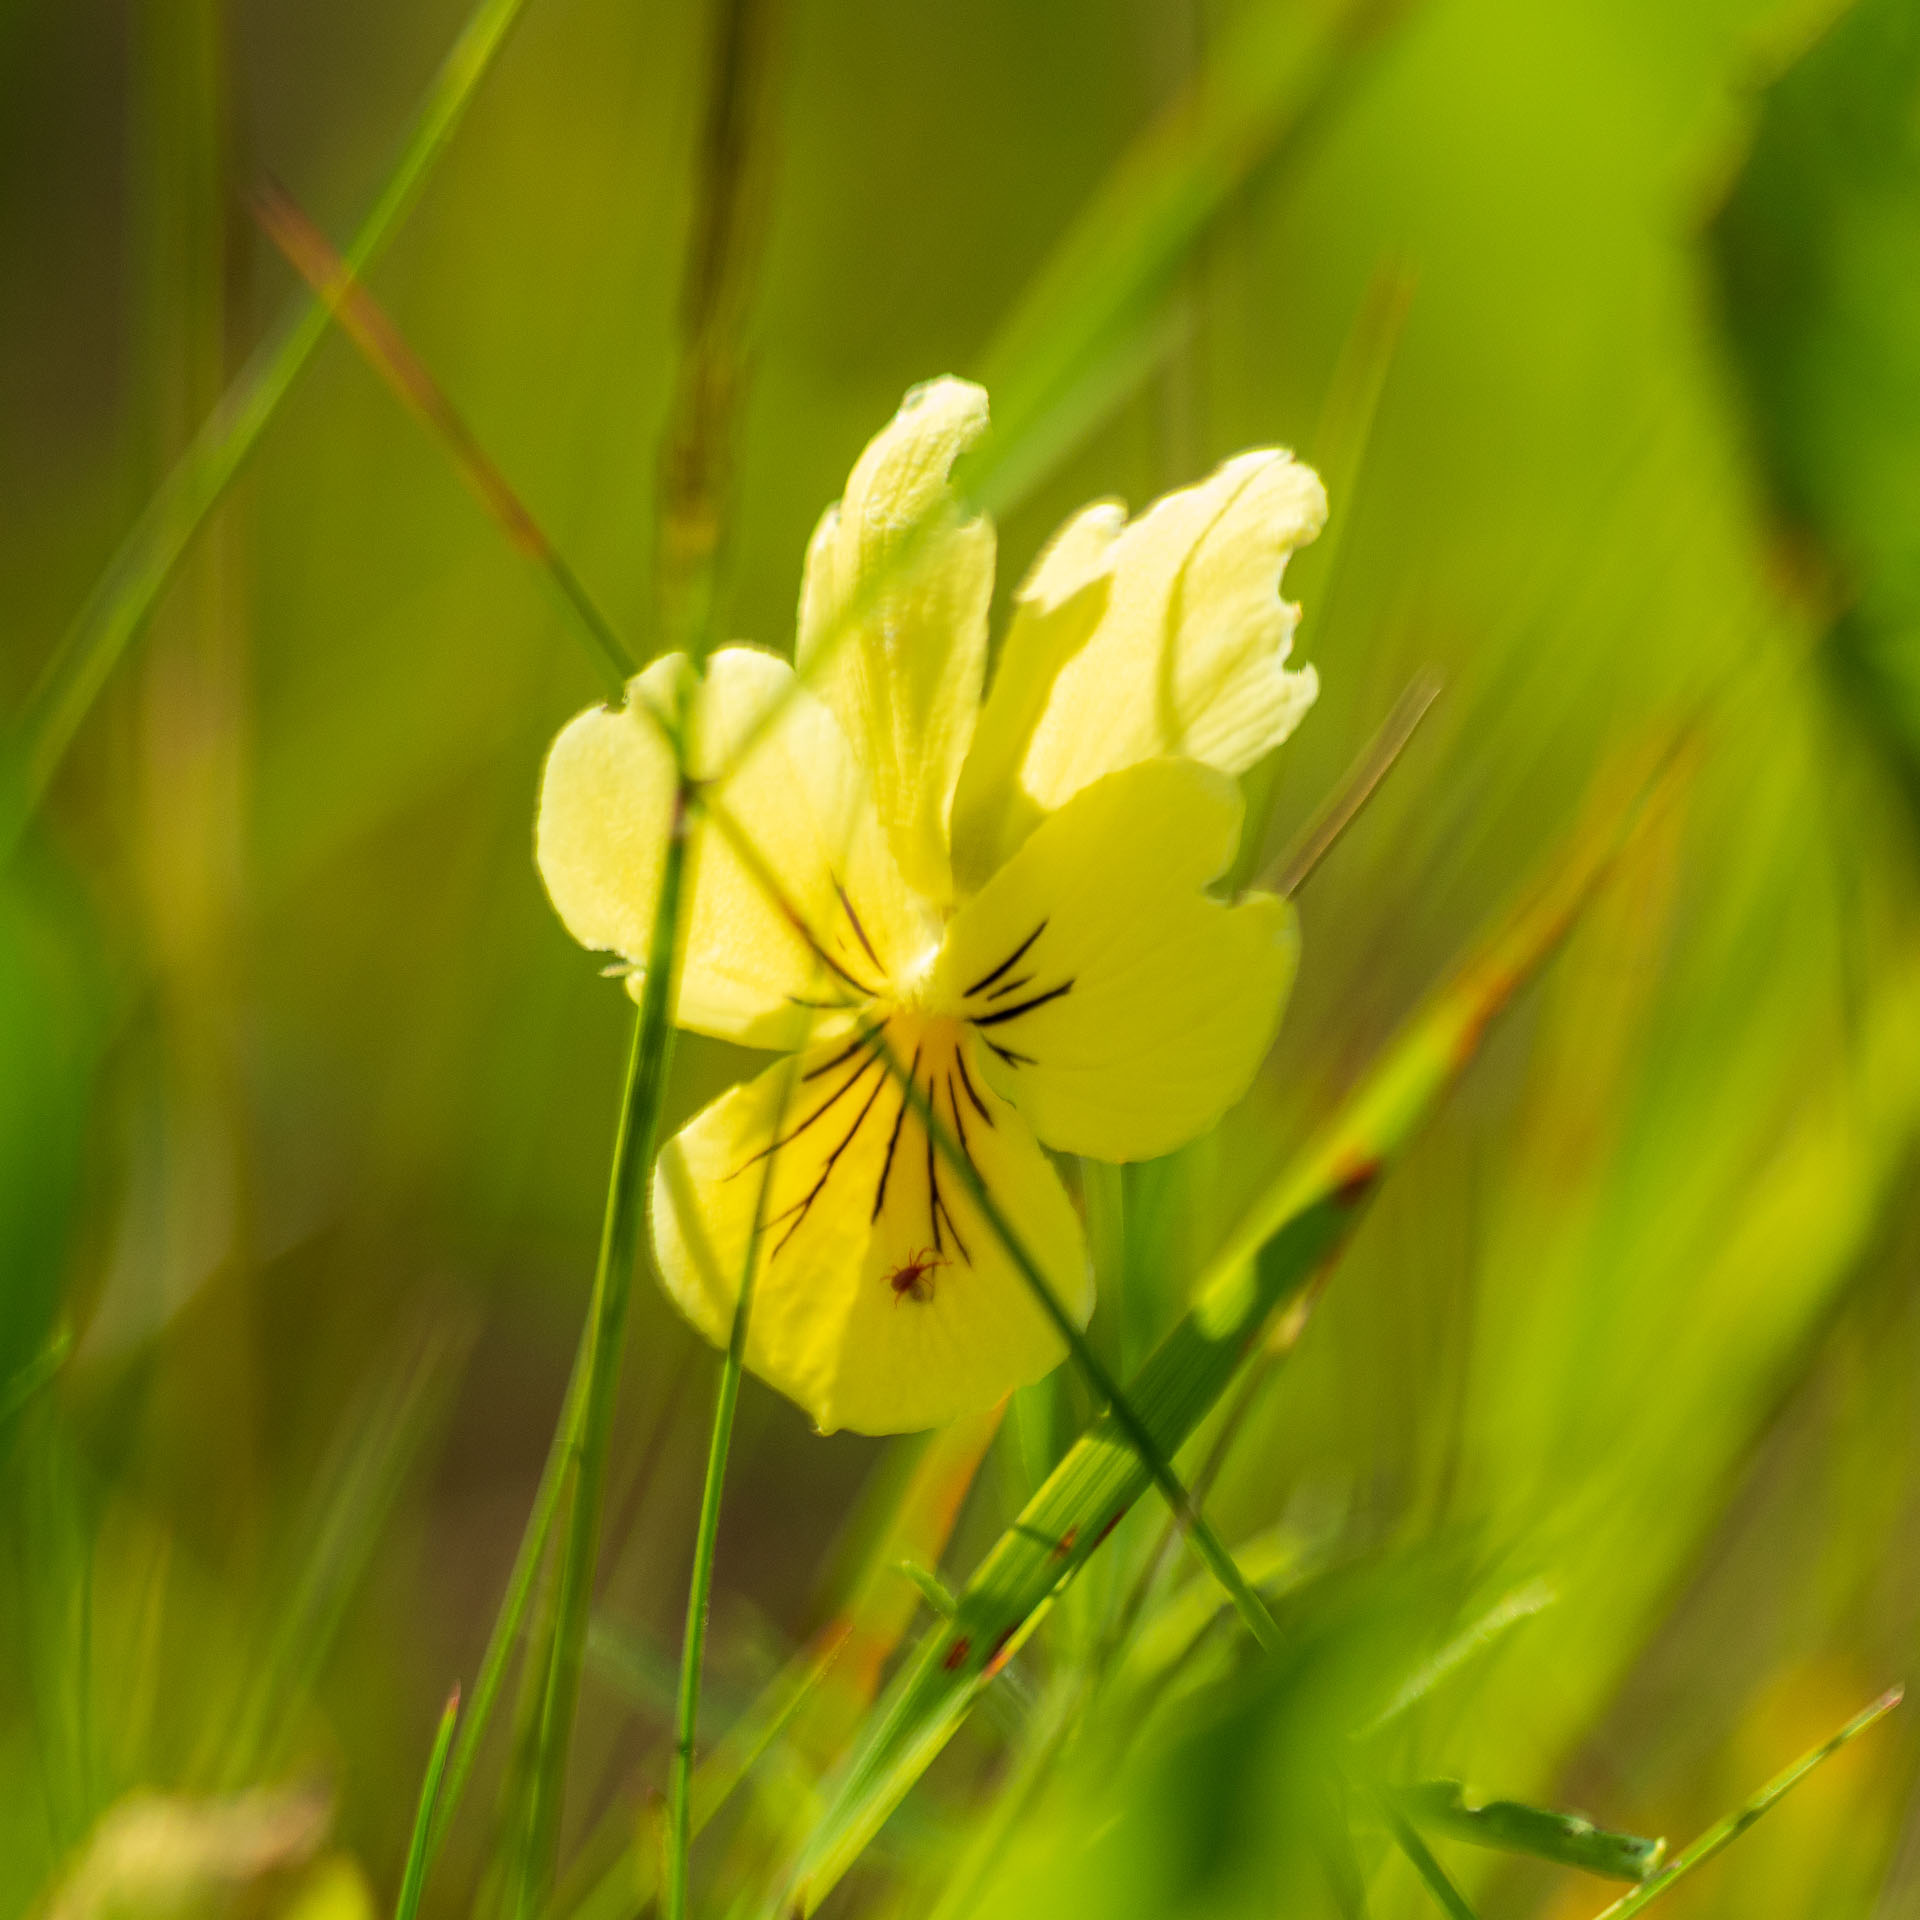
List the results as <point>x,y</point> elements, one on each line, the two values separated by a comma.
<point>419,1849</point>
<point>1450,1900</point>
<point>1270,1263</point>
<point>723,250</point>
<point>1723,1833</point>
<point>1508,1826</point>
<point>139,571</point>
<point>634,1147</point>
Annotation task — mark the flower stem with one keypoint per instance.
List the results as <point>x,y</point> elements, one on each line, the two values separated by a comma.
<point>420,1849</point>
<point>1447,1896</point>
<point>633,1155</point>
<point>693,1644</point>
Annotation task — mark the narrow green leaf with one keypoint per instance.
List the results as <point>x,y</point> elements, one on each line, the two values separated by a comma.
<point>1270,1263</point>
<point>1508,1826</point>
<point>419,1849</point>
<point>1723,1833</point>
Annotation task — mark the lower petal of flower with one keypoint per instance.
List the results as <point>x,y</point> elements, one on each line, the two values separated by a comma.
<point>883,1299</point>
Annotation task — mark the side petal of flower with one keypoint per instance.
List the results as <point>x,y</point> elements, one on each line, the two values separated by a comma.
<point>843,919</point>
<point>883,1301</point>
<point>1055,612</point>
<point>1115,1003</point>
<point>1191,656</point>
<point>905,676</point>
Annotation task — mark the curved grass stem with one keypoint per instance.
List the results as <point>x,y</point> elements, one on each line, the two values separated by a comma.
<point>413,1880</point>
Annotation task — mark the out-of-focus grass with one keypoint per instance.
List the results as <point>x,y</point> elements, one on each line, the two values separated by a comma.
<point>294,1053</point>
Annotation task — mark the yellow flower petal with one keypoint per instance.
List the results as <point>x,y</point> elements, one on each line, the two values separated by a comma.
<point>883,1301</point>
<point>1123,1010</point>
<point>905,677</point>
<point>1191,656</point>
<point>1055,611</point>
<point>606,803</point>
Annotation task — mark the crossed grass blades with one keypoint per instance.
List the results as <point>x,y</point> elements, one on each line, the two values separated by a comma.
<point>1094,322</point>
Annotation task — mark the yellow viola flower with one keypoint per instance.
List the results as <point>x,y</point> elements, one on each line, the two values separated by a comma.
<point>1008,897</point>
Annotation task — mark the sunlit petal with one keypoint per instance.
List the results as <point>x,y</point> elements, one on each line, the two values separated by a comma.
<point>1190,657</point>
<point>843,922</point>
<point>1056,610</point>
<point>905,675</point>
<point>1122,1009</point>
<point>884,1301</point>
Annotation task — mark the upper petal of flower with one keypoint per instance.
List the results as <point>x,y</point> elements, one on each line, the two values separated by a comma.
<point>1056,610</point>
<point>882,1299</point>
<point>905,675</point>
<point>844,922</point>
<point>1190,657</point>
<point>1123,1011</point>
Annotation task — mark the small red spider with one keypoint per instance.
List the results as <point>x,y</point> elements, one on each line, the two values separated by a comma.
<point>915,1280</point>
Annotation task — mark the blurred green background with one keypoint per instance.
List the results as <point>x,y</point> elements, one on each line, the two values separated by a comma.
<point>306,1098</point>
